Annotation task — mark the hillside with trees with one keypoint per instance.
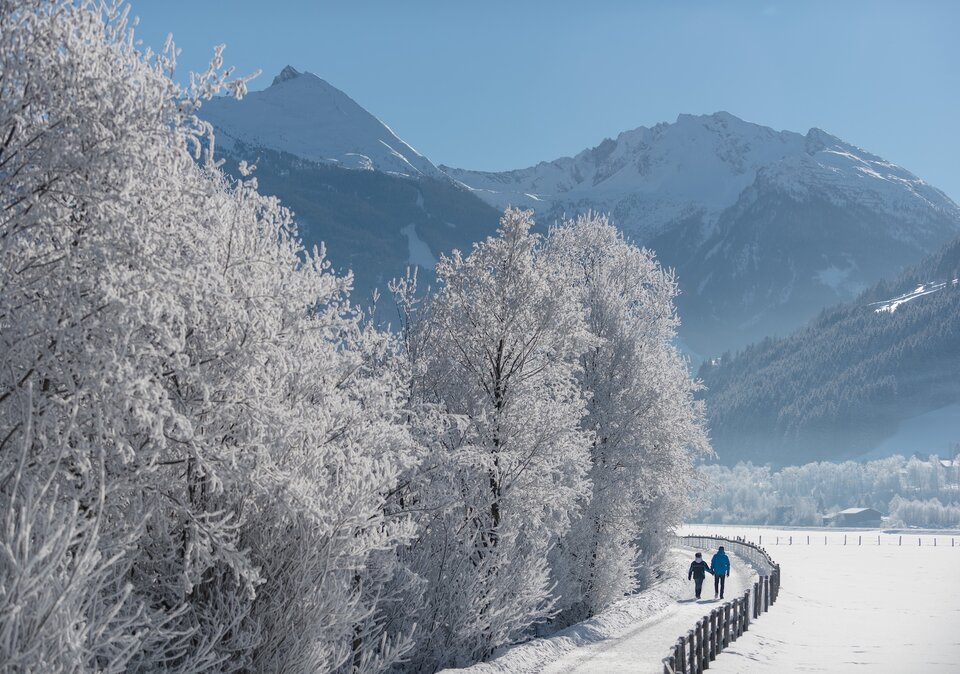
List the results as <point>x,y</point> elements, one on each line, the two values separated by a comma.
<point>837,387</point>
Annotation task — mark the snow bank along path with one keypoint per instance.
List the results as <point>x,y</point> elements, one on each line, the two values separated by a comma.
<point>886,608</point>
<point>633,635</point>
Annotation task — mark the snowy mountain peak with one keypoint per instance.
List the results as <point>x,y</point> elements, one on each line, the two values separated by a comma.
<point>287,73</point>
<point>699,166</point>
<point>648,177</point>
<point>303,115</point>
<point>764,227</point>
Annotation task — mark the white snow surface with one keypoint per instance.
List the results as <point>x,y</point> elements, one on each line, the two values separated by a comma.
<point>307,117</point>
<point>891,306</point>
<point>633,635</point>
<point>420,253</point>
<point>882,609</point>
<point>699,166</point>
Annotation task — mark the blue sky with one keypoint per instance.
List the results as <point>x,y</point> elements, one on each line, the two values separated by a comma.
<point>498,85</point>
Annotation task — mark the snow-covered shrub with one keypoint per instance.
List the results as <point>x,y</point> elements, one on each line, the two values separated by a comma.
<point>550,396</point>
<point>197,434</point>
<point>640,408</point>
<point>929,513</point>
<point>495,355</point>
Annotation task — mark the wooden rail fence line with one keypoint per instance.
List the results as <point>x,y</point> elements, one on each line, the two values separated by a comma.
<point>788,540</point>
<point>694,651</point>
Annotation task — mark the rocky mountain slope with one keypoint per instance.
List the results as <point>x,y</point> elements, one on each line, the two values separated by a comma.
<point>306,116</point>
<point>377,204</point>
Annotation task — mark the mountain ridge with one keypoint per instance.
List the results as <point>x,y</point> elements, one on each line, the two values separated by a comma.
<point>763,227</point>
<point>304,115</point>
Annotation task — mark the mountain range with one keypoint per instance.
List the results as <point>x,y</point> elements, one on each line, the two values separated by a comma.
<point>765,228</point>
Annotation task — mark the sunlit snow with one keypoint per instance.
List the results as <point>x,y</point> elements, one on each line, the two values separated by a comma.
<point>921,290</point>
<point>420,253</point>
<point>308,117</point>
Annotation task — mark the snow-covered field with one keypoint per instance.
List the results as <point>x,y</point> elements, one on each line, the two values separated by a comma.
<point>882,602</point>
<point>863,608</point>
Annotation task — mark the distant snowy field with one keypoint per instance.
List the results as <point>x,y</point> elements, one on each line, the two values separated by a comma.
<point>862,608</point>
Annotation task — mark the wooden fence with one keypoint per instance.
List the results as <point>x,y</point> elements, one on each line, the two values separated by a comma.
<point>694,651</point>
<point>857,539</point>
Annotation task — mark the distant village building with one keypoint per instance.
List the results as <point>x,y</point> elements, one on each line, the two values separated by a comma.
<point>854,517</point>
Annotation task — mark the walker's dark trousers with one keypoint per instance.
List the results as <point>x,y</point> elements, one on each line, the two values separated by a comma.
<point>719,580</point>
<point>698,585</point>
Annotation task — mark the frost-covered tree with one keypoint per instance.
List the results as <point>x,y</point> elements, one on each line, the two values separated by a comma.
<point>802,495</point>
<point>495,355</point>
<point>198,437</point>
<point>647,428</point>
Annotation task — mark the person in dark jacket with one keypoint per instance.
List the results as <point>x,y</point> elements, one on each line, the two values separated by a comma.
<point>720,565</point>
<point>698,571</point>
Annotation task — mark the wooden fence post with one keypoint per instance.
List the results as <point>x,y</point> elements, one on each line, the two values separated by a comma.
<point>717,632</point>
<point>697,660</point>
<point>704,647</point>
<point>715,626</point>
<point>766,594</point>
<point>692,661</point>
<point>726,624</point>
<point>711,636</point>
<point>680,652</point>
<point>746,610</point>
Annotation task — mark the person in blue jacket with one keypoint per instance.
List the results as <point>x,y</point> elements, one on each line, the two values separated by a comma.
<point>720,565</point>
<point>698,571</point>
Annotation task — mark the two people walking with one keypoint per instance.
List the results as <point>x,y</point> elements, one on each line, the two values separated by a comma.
<point>719,568</point>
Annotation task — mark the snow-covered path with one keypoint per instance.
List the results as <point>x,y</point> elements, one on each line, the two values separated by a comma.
<point>633,635</point>
<point>643,647</point>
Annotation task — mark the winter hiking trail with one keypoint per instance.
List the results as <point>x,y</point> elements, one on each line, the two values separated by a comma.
<point>633,635</point>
